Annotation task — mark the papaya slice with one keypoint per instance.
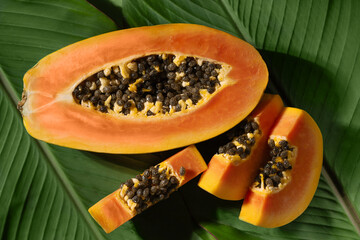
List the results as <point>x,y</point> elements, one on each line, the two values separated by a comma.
<point>287,183</point>
<point>232,170</point>
<point>146,189</point>
<point>143,89</point>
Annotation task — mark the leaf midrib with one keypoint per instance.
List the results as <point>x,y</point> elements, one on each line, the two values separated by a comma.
<point>54,163</point>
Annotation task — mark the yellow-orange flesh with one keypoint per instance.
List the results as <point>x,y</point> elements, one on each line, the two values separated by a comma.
<point>51,113</point>
<point>153,185</point>
<point>276,206</point>
<point>231,172</point>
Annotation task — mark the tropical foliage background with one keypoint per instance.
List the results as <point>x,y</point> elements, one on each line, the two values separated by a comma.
<point>312,51</point>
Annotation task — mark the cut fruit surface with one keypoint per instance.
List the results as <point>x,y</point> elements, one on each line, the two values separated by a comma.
<point>158,85</point>
<point>287,183</point>
<point>232,170</point>
<point>143,89</point>
<point>146,189</point>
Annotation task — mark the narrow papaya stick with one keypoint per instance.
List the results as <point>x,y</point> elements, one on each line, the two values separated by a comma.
<point>153,185</point>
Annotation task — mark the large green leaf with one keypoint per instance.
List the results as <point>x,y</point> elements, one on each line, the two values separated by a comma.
<point>45,189</point>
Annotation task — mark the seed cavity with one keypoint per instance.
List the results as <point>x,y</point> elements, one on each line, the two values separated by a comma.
<point>277,171</point>
<point>242,138</point>
<point>153,85</point>
<point>150,187</point>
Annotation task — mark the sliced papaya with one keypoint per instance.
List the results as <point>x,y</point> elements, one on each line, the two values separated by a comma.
<point>286,184</point>
<point>232,170</point>
<point>153,185</point>
<point>143,89</point>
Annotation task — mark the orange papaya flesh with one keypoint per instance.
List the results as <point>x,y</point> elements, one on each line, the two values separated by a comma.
<point>294,174</point>
<point>146,189</point>
<point>111,212</point>
<point>232,170</point>
<point>52,113</point>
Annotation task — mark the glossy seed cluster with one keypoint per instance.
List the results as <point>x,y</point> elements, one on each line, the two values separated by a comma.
<point>148,188</point>
<point>151,79</point>
<point>242,138</point>
<point>273,172</point>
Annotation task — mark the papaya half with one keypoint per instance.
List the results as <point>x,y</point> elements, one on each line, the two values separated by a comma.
<point>143,90</point>
<point>232,170</point>
<point>286,184</point>
<point>153,185</point>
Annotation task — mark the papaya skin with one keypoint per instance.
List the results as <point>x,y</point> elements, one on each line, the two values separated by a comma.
<point>111,212</point>
<point>275,209</point>
<point>51,114</point>
<point>229,181</point>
